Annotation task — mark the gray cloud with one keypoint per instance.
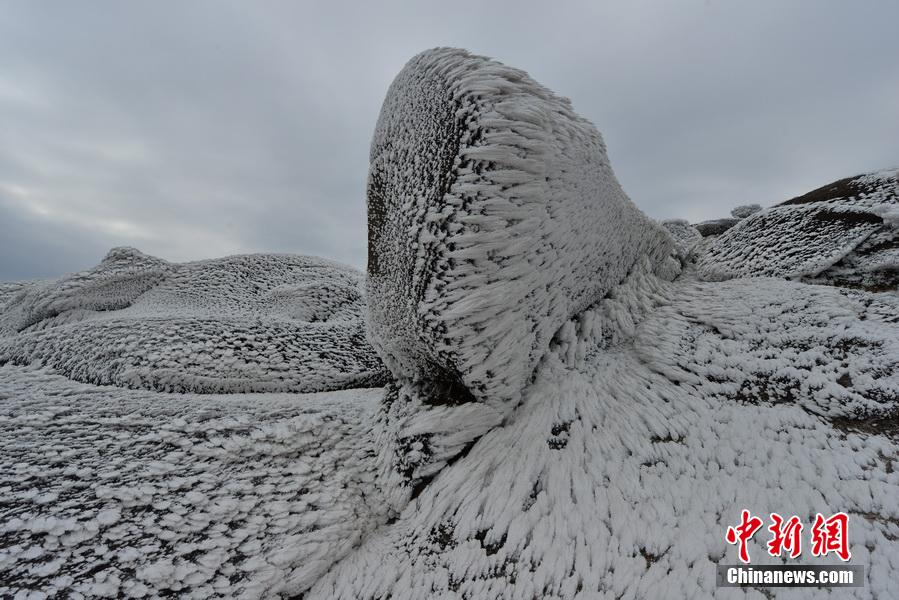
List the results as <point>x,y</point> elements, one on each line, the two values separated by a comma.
<point>202,129</point>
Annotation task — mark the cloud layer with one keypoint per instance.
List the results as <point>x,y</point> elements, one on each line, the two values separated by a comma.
<point>194,130</point>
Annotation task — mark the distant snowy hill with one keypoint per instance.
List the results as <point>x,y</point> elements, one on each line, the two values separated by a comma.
<point>568,400</point>
<point>257,323</point>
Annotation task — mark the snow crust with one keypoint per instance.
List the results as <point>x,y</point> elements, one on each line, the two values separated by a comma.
<point>494,216</point>
<point>256,323</point>
<point>776,397</point>
<point>715,226</point>
<point>108,492</point>
<point>787,241</point>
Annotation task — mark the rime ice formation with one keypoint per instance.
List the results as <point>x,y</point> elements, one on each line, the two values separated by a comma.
<point>258,323</point>
<point>654,406</point>
<point>493,205</point>
<point>115,493</point>
<point>847,226</point>
<point>662,412</point>
<point>494,216</point>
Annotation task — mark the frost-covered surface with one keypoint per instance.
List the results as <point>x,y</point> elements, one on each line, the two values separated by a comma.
<point>868,190</point>
<point>8,289</point>
<point>685,236</point>
<point>255,323</point>
<point>657,415</point>
<point>107,492</point>
<point>662,412</point>
<point>872,265</point>
<point>787,241</point>
<point>844,233</point>
<point>494,215</point>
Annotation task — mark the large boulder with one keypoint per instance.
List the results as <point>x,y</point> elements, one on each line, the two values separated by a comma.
<point>493,217</point>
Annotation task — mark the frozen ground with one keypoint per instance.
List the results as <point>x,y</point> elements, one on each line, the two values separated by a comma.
<point>589,430</point>
<point>109,492</point>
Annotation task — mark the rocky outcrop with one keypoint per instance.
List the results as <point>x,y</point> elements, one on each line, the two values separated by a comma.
<point>254,323</point>
<point>844,233</point>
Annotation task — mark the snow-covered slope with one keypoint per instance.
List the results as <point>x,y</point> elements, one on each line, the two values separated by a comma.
<point>257,323</point>
<point>643,408</point>
<point>115,493</point>
<point>845,233</point>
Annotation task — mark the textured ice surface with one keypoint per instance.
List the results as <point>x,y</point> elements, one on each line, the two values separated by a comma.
<point>866,191</point>
<point>251,323</point>
<point>787,241</point>
<point>686,237</point>
<point>109,492</point>
<point>744,210</point>
<point>661,413</point>
<point>872,265</point>
<point>494,216</point>
<point>656,416</point>
<point>844,233</point>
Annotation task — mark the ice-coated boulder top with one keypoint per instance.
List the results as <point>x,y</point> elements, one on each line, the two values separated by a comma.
<point>493,217</point>
<point>744,210</point>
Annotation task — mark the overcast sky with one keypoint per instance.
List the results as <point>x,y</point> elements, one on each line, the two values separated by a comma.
<point>194,130</point>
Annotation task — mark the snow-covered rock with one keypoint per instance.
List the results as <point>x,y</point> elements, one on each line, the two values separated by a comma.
<point>256,323</point>
<point>868,190</point>
<point>123,275</point>
<point>494,216</point>
<point>685,236</point>
<point>662,412</point>
<point>744,210</point>
<point>787,241</point>
<point>111,492</point>
<point>840,233</point>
